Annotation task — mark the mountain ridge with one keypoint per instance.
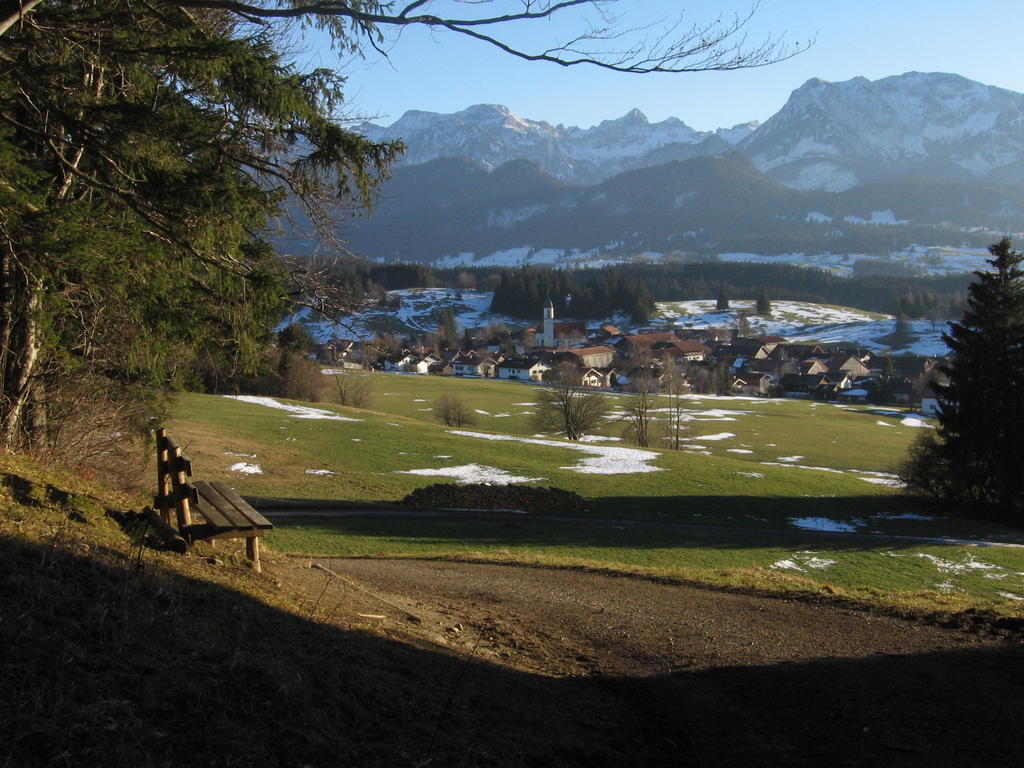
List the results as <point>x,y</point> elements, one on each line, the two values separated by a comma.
<point>829,136</point>
<point>450,212</point>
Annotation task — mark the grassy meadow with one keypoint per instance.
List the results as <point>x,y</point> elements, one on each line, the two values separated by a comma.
<point>759,474</point>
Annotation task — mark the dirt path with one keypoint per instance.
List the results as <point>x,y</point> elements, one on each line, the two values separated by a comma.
<point>709,677</point>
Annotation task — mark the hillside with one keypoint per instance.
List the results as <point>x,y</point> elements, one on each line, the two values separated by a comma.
<point>119,653</point>
<point>452,212</point>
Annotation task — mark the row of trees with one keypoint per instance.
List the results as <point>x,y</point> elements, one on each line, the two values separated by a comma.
<point>522,292</point>
<point>633,289</point>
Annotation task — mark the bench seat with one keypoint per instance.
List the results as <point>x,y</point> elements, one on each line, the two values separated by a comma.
<point>226,514</point>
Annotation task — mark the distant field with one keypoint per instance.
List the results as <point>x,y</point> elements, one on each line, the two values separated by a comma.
<point>737,446</point>
<point>756,468</point>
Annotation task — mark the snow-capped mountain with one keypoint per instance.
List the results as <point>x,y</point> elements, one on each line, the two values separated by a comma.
<point>491,135</point>
<point>828,136</point>
<point>835,136</point>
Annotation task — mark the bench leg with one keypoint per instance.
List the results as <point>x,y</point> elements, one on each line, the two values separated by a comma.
<point>252,551</point>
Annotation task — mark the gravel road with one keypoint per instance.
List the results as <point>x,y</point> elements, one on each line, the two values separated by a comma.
<point>708,677</point>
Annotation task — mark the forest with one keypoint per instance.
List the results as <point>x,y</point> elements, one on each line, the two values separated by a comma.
<point>633,289</point>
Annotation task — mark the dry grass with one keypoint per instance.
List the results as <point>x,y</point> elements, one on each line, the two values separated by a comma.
<point>117,653</point>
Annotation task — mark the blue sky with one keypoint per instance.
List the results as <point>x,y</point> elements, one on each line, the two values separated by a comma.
<point>983,41</point>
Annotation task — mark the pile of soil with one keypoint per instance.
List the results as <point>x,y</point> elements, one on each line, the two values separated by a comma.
<point>483,496</point>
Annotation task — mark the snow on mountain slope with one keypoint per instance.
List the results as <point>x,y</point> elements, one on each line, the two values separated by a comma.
<point>829,135</point>
<point>833,136</point>
<point>492,135</point>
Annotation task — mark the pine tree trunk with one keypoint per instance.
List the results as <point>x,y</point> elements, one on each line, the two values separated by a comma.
<point>19,354</point>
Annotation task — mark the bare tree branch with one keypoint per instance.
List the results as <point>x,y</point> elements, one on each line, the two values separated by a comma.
<point>717,45</point>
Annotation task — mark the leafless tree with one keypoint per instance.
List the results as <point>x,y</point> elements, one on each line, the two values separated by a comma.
<point>643,384</point>
<point>452,410</point>
<point>566,407</point>
<point>673,387</point>
<point>354,388</point>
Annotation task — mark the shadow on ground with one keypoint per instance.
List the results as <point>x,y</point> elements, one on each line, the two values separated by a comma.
<point>111,664</point>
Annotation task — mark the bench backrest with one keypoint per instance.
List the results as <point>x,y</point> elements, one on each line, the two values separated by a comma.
<point>174,487</point>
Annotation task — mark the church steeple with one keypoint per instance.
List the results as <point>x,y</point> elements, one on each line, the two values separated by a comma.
<point>547,337</point>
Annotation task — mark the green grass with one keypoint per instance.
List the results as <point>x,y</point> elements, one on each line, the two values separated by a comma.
<point>902,573</point>
<point>366,455</point>
<point>752,504</point>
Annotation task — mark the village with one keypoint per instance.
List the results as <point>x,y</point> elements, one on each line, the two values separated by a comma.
<point>710,360</point>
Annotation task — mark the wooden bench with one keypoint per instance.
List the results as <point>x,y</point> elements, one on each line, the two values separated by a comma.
<point>225,514</point>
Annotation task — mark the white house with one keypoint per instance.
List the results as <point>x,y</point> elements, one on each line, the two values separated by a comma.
<point>523,369</point>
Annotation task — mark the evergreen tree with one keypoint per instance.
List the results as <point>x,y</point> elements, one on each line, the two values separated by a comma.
<point>764,303</point>
<point>447,331</point>
<point>974,461</point>
<point>142,150</point>
<point>723,299</point>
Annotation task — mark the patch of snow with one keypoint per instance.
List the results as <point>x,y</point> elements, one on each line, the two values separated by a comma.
<point>599,439</point>
<point>819,563</point>
<point>801,562</point>
<point>240,455</point>
<point>715,437</point>
<point>789,458</point>
<point>884,423</point>
<point>824,524</point>
<point>802,466</point>
<point>786,565</point>
<point>737,450</point>
<point>298,411</point>
<point>319,472</point>
<point>1011,596</point>
<point>911,421</point>
<point>473,473</point>
<point>751,474</point>
<point>605,460</point>
<point>246,469</point>
<point>954,567</point>
<point>886,481</point>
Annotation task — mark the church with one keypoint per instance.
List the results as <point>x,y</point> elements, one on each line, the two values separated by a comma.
<point>559,335</point>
